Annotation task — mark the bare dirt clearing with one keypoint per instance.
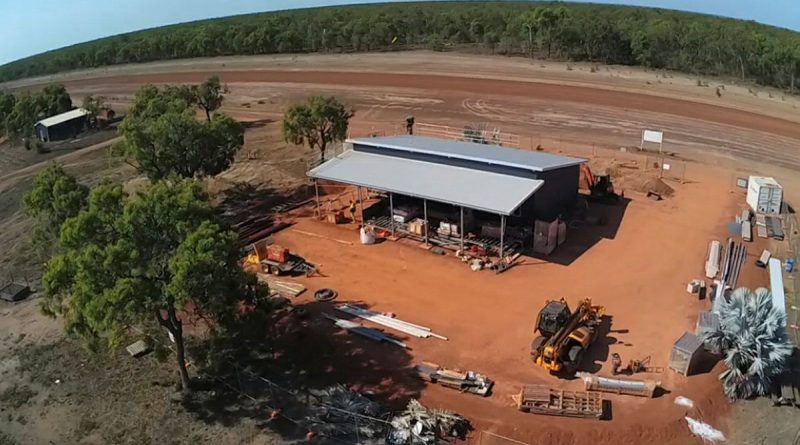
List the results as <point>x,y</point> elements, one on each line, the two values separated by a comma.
<point>573,111</point>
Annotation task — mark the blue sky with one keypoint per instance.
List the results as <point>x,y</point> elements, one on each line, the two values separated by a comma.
<point>29,27</point>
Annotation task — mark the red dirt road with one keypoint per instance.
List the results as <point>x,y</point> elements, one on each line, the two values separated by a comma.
<point>478,86</point>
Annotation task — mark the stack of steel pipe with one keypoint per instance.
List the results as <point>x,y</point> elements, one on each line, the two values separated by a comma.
<point>389,322</point>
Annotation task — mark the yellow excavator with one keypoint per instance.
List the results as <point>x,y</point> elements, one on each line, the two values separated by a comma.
<point>564,335</point>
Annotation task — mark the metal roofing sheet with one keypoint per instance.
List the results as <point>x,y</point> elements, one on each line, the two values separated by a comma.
<point>491,154</point>
<point>63,117</point>
<point>477,189</point>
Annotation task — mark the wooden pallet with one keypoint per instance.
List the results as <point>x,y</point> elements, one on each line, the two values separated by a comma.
<point>541,399</point>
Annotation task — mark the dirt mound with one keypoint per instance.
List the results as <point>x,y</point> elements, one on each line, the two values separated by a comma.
<point>644,184</point>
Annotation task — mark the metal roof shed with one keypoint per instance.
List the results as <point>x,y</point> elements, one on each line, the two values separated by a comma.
<point>62,126</point>
<point>469,151</point>
<point>476,189</point>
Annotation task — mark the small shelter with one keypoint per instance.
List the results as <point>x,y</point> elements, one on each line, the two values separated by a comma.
<point>686,354</point>
<point>62,126</point>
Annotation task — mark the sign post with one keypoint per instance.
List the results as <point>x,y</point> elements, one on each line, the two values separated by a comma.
<point>654,136</point>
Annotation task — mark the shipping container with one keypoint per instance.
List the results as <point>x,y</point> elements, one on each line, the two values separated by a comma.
<point>764,195</point>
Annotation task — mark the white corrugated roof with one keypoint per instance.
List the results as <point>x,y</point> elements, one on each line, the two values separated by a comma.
<point>63,117</point>
<point>476,189</point>
<point>472,151</point>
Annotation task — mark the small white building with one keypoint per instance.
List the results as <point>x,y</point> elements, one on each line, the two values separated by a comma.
<point>764,195</point>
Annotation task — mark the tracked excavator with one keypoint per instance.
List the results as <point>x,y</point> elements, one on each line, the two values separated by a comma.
<point>564,335</point>
<point>600,187</point>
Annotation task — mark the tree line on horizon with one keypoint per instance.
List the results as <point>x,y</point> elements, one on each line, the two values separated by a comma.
<point>652,38</point>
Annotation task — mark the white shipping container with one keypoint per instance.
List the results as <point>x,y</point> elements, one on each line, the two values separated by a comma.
<point>764,195</point>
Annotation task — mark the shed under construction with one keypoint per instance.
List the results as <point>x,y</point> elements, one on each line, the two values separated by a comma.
<point>454,192</point>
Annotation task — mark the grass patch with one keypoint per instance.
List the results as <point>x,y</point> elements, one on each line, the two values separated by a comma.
<point>16,396</point>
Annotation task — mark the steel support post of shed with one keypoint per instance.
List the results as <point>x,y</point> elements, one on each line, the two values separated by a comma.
<point>461,228</point>
<point>316,192</point>
<point>391,211</point>
<point>425,217</point>
<point>502,233</point>
<point>360,204</point>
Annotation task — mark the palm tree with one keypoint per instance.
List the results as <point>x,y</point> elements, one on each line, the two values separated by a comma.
<point>752,335</point>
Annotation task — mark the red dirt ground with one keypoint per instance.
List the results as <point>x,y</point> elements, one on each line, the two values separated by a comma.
<point>639,273</point>
<point>543,91</point>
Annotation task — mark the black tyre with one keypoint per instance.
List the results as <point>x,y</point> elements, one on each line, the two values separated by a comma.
<point>536,347</point>
<point>575,356</point>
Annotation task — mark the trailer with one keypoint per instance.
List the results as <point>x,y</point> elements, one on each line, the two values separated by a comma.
<point>542,399</point>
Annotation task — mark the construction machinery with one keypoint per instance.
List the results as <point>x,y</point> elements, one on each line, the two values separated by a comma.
<point>633,366</point>
<point>600,187</point>
<point>277,260</point>
<point>564,335</point>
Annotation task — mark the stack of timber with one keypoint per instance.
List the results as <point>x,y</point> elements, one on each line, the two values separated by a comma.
<point>761,226</point>
<point>641,388</point>
<point>541,399</point>
<point>372,334</point>
<point>255,221</point>
<point>468,381</point>
<point>393,323</point>
<point>284,288</point>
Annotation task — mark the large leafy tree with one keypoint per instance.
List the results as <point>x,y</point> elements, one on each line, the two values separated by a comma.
<point>209,95</point>
<point>55,197</point>
<point>318,122</point>
<point>752,335</point>
<point>7,101</point>
<point>163,138</point>
<point>22,112</point>
<point>156,260</point>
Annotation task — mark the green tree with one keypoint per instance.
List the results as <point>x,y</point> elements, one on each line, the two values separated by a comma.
<point>7,101</point>
<point>752,335</point>
<point>156,260</point>
<point>96,106</point>
<point>318,122</point>
<point>52,100</point>
<point>162,136</point>
<point>54,197</point>
<point>209,95</point>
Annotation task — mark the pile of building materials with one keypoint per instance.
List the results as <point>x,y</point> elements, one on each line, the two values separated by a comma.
<point>389,322</point>
<point>733,258</point>
<point>641,388</point>
<point>696,286</point>
<point>339,411</point>
<point>542,399</point>
<point>686,354</point>
<point>764,258</point>
<point>283,288</point>
<point>420,425</point>
<point>712,263</point>
<point>468,381</point>
<point>372,334</point>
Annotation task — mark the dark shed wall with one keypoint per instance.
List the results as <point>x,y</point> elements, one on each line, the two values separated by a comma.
<point>64,130</point>
<point>559,192</point>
